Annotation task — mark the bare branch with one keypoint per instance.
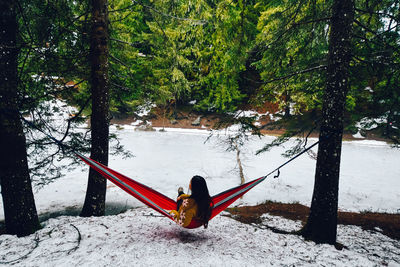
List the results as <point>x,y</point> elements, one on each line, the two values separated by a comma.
<point>122,87</point>
<point>74,118</point>
<point>396,18</point>
<point>120,61</point>
<point>296,73</point>
<point>365,27</point>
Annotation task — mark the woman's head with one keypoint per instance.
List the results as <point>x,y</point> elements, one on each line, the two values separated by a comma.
<point>202,197</point>
<point>198,186</point>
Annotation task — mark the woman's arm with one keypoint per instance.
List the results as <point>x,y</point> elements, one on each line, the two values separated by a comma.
<point>183,196</point>
<point>186,212</point>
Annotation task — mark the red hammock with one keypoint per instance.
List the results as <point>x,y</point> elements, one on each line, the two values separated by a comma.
<point>162,203</point>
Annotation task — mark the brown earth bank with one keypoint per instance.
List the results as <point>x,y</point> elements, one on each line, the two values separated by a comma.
<point>385,223</point>
<point>183,118</point>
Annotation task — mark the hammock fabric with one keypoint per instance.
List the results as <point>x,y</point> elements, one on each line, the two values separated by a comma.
<point>161,203</point>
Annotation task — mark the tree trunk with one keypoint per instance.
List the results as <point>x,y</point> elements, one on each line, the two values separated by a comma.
<point>96,191</point>
<point>321,226</point>
<point>16,189</point>
<point>239,162</point>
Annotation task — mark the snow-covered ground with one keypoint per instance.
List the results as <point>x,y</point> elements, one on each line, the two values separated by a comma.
<point>165,160</point>
<point>135,239</point>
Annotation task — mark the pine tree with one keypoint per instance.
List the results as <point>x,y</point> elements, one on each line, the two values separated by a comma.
<point>96,191</point>
<point>322,222</point>
<point>18,201</point>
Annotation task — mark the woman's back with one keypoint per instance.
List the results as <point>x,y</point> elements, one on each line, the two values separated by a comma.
<point>187,211</point>
<point>196,206</point>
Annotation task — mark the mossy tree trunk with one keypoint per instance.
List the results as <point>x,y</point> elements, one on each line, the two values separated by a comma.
<point>321,226</point>
<point>16,189</point>
<point>99,81</point>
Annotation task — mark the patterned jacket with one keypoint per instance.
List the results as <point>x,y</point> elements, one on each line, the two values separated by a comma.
<point>186,211</point>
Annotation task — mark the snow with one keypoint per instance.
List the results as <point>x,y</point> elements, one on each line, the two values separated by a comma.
<point>358,135</point>
<point>145,109</point>
<point>136,123</point>
<point>369,89</point>
<point>274,118</point>
<point>137,238</point>
<point>258,115</point>
<point>371,123</point>
<point>166,160</point>
<point>246,113</point>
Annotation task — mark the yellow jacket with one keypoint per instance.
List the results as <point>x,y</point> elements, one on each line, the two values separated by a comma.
<point>186,211</point>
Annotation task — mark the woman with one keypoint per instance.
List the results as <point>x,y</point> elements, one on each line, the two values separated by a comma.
<point>197,206</point>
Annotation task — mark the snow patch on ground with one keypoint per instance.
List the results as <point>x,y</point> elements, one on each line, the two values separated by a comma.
<point>257,115</point>
<point>358,135</point>
<point>371,123</point>
<point>136,123</point>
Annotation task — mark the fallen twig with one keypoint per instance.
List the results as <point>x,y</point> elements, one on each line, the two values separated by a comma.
<point>37,241</point>
<point>79,240</point>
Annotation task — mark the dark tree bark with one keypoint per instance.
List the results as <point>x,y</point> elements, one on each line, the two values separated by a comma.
<point>96,191</point>
<point>16,189</point>
<point>322,221</point>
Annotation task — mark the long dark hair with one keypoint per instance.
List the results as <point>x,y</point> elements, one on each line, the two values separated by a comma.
<point>202,197</point>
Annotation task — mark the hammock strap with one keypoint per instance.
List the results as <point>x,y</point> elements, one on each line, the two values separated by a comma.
<point>291,159</point>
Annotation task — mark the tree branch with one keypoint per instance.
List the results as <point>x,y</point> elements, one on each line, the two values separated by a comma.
<point>122,87</point>
<point>74,118</point>
<point>396,18</point>
<point>122,42</point>
<point>120,61</point>
<point>311,21</point>
<point>25,20</point>
<point>365,27</point>
<point>296,73</point>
